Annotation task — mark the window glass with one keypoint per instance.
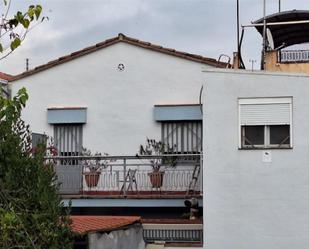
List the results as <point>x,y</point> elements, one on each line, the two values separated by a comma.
<point>279,134</point>
<point>253,135</point>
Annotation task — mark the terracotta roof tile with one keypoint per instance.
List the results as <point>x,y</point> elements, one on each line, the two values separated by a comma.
<point>86,224</point>
<point>5,76</point>
<point>126,39</point>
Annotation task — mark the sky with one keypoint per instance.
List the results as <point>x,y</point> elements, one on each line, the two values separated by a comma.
<point>204,27</point>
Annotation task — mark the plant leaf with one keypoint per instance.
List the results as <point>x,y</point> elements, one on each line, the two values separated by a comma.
<point>16,43</point>
<point>37,11</point>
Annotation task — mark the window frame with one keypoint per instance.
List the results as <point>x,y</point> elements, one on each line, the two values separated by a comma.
<point>266,100</point>
<point>267,144</point>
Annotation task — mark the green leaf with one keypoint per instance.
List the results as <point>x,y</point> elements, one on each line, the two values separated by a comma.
<point>23,100</point>
<point>1,48</point>
<point>37,11</point>
<point>31,11</point>
<point>19,16</point>
<point>25,23</point>
<point>16,43</point>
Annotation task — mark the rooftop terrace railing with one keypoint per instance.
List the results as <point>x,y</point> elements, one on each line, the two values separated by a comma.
<point>173,233</point>
<point>128,176</point>
<point>292,56</point>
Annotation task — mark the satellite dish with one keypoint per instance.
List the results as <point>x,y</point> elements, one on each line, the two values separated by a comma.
<point>270,39</point>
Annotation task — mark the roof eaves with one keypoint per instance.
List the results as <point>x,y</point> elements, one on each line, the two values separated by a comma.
<point>126,39</point>
<point>66,58</point>
<point>170,51</point>
<point>87,224</point>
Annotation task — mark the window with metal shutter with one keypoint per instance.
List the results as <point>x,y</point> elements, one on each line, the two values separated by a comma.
<point>68,139</point>
<point>265,122</point>
<point>183,136</point>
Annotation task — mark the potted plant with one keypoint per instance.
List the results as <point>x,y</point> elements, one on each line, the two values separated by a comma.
<point>93,167</point>
<point>157,148</point>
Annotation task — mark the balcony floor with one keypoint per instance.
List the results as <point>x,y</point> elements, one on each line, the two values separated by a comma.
<point>131,195</point>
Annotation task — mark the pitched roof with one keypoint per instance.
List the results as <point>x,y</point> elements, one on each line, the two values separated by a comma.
<point>5,76</point>
<point>128,40</point>
<point>86,224</point>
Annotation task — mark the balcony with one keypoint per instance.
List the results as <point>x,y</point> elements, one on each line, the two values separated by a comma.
<point>294,61</point>
<point>128,177</point>
<point>293,56</point>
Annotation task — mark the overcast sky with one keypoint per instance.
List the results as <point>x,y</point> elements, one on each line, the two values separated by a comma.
<point>205,27</point>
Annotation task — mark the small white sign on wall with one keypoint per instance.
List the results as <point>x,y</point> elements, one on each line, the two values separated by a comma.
<point>266,156</point>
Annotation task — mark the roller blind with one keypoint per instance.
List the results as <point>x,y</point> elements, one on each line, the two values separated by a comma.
<point>265,111</point>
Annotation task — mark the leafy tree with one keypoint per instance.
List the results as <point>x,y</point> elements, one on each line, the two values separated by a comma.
<point>13,30</point>
<point>31,213</point>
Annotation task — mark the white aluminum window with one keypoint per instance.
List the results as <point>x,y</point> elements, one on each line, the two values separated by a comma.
<point>265,122</point>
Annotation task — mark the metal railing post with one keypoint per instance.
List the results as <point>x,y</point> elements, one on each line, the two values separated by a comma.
<point>201,174</point>
<point>124,176</point>
<point>82,179</point>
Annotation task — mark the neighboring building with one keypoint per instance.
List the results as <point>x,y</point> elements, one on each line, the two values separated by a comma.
<point>284,30</point>
<point>110,98</point>
<point>107,232</point>
<point>292,28</point>
<point>4,79</point>
<point>256,160</point>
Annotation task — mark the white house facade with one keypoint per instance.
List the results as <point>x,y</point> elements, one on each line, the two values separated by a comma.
<point>110,98</point>
<point>256,160</point>
<point>113,91</point>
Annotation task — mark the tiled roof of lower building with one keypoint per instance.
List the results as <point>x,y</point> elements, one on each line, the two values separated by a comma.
<point>5,76</point>
<point>86,224</point>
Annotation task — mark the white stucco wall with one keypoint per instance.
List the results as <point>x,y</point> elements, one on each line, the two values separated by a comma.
<point>119,239</point>
<point>119,104</point>
<point>249,204</point>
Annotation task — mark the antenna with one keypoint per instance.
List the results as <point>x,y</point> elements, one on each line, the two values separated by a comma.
<point>270,39</point>
<point>237,16</point>
<point>27,64</point>
<point>264,37</point>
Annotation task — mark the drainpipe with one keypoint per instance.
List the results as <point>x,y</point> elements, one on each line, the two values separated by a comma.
<point>237,14</point>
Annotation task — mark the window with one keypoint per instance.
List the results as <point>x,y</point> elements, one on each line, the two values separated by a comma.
<point>68,139</point>
<point>184,136</point>
<point>265,122</point>
<point>38,139</point>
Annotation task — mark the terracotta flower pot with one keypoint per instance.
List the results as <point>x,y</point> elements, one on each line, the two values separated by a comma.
<point>156,179</point>
<point>92,178</point>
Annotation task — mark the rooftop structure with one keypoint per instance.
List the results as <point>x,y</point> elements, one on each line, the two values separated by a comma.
<point>282,31</point>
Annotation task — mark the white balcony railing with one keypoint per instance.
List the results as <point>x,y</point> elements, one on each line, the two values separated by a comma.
<point>292,56</point>
<point>128,176</point>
